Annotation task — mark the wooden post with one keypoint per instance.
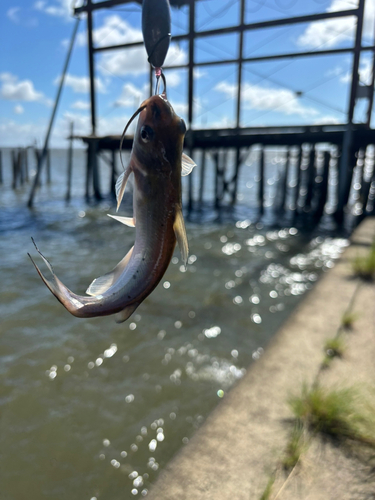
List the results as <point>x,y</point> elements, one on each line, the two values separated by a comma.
<point>261,182</point>
<point>365,186</point>
<point>217,169</point>
<point>70,164</point>
<point>14,169</point>
<point>298,179</point>
<point>323,189</point>
<point>310,179</point>
<point>344,170</point>
<point>26,164</point>
<point>284,182</point>
<point>46,140</point>
<point>202,176</point>
<point>37,159</point>
<point>223,185</point>
<point>20,165</point>
<point>235,176</point>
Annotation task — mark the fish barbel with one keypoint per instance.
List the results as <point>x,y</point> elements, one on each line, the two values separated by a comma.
<point>157,162</point>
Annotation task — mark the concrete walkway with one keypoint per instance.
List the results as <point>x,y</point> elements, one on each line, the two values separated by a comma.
<point>233,454</point>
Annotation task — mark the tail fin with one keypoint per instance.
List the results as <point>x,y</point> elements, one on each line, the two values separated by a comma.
<point>68,299</point>
<point>52,285</point>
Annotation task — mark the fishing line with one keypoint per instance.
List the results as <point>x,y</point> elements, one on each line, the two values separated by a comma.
<point>268,40</point>
<point>284,86</point>
<point>126,128</point>
<point>219,13</point>
<point>213,53</point>
<point>291,4</point>
<point>257,8</point>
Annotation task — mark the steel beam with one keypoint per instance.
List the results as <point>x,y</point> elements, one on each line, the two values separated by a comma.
<point>91,66</point>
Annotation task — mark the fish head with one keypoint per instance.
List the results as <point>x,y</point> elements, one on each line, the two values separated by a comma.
<point>159,136</point>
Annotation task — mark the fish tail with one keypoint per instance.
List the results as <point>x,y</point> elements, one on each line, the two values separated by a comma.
<point>69,300</point>
<point>52,285</point>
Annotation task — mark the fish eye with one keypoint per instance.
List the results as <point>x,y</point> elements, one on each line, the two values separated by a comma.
<point>146,133</point>
<point>182,126</point>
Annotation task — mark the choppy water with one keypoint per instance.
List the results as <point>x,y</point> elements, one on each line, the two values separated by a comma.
<point>93,409</point>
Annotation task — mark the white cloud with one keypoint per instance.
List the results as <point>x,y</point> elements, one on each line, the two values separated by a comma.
<point>80,105</point>
<point>365,73</point>
<point>13,90</point>
<point>22,17</point>
<point>199,73</point>
<point>18,109</point>
<point>13,14</point>
<point>132,61</point>
<point>58,8</point>
<point>180,108</point>
<point>114,31</point>
<point>332,32</point>
<point>173,79</point>
<point>262,98</point>
<point>327,120</point>
<point>81,84</point>
<point>131,96</point>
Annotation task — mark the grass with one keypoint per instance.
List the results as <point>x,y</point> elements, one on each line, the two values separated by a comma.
<point>364,267</point>
<point>342,413</point>
<point>348,319</point>
<point>295,447</point>
<point>334,348</point>
<point>268,490</point>
<point>326,363</point>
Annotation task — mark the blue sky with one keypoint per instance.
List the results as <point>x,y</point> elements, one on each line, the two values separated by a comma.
<point>35,35</point>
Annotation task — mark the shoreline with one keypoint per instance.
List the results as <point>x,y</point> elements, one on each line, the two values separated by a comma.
<point>233,454</point>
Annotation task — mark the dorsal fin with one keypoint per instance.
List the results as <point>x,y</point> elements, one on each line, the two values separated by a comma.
<point>101,284</point>
<point>121,184</point>
<point>128,221</point>
<point>180,232</point>
<point>187,165</point>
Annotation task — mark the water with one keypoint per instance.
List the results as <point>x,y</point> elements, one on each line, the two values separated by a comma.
<point>93,409</point>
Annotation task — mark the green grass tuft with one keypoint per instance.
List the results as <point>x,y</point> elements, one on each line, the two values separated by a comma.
<point>348,320</point>
<point>326,363</point>
<point>268,490</point>
<point>364,267</point>
<point>334,348</point>
<point>343,413</point>
<point>295,447</point>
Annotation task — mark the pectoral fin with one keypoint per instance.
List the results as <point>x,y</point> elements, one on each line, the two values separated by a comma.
<point>121,184</point>
<point>101,284</point>
<point>128,221</point>
<point>187,165</point>
<point>125,313</point>
<point>180,232</point>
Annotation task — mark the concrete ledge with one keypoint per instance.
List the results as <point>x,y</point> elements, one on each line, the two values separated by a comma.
<point>233,453</point>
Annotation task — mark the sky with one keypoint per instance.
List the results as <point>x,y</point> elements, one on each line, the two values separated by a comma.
<point>310,90</point>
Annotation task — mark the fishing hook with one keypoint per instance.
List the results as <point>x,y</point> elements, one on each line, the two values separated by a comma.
<point>159,73</point>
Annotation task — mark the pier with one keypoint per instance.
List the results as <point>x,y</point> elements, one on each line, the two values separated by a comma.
<point>311,152</point>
